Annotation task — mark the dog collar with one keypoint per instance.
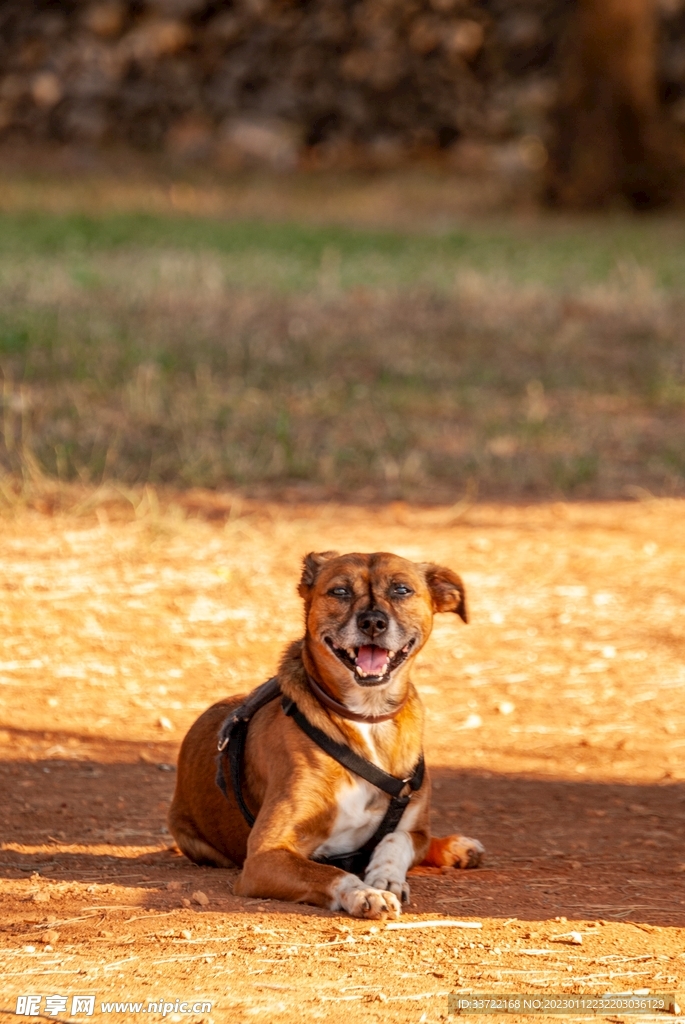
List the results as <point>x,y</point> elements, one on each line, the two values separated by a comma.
<point>334,705</point>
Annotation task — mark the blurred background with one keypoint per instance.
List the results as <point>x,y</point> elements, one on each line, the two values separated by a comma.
<point>377,249</point>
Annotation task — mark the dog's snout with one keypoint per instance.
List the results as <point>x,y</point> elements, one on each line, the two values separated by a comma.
<point>373,622</point>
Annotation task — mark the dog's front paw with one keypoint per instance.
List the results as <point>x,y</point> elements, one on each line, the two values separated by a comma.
<point>455,852</point>
<point>372,903</point>
<point>362,900</point>
<point>382,880</point>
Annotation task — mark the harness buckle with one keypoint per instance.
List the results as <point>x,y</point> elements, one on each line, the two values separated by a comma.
<point>407,789</point>
<point>222,744</point>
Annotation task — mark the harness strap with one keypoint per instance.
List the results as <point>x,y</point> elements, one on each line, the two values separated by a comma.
<point>390,784</point>
<point>232,740</point>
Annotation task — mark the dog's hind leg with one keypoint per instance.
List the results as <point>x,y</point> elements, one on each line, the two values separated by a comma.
<point>195,848</point>
<point>454,852</point>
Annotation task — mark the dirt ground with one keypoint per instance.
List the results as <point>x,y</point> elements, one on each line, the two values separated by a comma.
<point>555,736</point>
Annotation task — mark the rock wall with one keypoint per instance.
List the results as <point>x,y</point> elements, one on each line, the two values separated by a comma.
<point>288,82</point>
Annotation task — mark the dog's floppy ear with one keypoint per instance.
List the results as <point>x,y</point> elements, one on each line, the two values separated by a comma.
<point>311,567</point>
<point>446,589</point>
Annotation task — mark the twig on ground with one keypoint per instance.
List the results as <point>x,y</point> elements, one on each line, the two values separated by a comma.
<point>118,963</point>
<point>397,925</point>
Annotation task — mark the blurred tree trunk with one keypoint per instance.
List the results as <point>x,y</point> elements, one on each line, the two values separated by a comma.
<point>611,139</point>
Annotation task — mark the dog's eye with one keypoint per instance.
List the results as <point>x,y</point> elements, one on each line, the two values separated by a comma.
<point>402,590</point>
<point>339,592</point>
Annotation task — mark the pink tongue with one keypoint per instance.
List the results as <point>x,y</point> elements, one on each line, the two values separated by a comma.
<point>372,660</point>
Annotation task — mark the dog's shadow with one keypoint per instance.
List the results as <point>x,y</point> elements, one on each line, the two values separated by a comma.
<point>95,812</point>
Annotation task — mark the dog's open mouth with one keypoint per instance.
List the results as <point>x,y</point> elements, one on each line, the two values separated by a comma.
<point>371,664</point>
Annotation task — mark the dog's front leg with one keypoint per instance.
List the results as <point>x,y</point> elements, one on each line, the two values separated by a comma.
<point>285,875</point>
<point>392,858</point>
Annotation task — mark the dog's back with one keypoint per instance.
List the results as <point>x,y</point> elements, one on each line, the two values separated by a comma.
<point>200,826</point>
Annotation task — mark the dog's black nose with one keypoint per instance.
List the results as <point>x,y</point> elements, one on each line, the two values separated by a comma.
<point>372,622</point>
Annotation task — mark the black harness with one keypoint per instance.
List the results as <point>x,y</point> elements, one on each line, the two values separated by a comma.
<point>232,748</point>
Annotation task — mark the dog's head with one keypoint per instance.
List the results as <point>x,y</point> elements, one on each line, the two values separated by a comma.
<point>367,616</point>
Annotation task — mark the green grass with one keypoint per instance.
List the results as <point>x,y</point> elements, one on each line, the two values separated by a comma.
<point>522,359</point>
<point>296,256</point>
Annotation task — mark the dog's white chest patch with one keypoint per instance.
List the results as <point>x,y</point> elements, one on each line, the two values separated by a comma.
<point>360,807</point>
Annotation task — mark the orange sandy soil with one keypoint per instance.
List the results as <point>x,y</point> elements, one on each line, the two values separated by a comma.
<point>554,734</point>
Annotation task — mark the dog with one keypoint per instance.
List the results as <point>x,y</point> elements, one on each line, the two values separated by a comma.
<point>300,797</point>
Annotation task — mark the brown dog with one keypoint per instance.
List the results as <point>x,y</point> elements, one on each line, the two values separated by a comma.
<point>366,619</point>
